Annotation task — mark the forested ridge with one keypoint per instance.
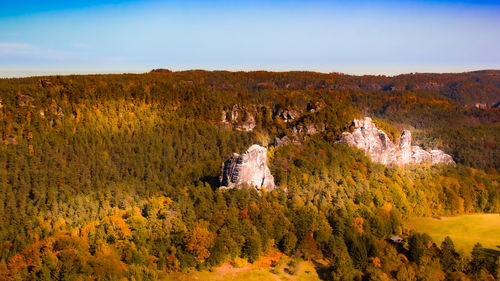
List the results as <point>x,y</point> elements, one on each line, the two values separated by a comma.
<point>108,177</point>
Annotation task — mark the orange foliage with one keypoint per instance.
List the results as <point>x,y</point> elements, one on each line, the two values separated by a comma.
<point>199,241</point>
<point>107,263</point>
<point>358,224</point>
<point>244,214</point>
<point>269,260</point>
<point>116,226</point>
<point>309,248</point>
<point>386,209</point>
<point>377,263</point>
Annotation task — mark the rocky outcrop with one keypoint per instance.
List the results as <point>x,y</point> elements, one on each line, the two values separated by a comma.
<point>24,100</point>
<point>241,118</point>
<point>375,142</point>
<point>286,115</point>
<point>408,154</point>
<point>298,133</point>
<point>307,129</point>
<point>250,168</point>
<point>284,140</point>
<point>313,107</point>
<point>11,140</point>
<point>405,152</point>
<point>419,155</point>
<point>439,156</point>
<point>381,149</point>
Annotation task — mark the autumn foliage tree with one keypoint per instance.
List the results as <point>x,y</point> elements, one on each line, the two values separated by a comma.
<point>199,240</point>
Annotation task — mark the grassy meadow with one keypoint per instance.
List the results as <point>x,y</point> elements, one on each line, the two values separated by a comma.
<point>465,231</point>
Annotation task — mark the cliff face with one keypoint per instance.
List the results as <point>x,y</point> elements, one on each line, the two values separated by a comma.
<point>375,142</point>
<point>241,118</point>
<point>244,118</point>
<point>381,149</point>
<point>250,168</point>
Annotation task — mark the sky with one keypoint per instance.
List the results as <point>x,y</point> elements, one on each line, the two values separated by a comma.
<point>352,36</point>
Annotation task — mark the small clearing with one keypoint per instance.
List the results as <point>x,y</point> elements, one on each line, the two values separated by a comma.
<point>272,267</point>
<point>465,230</point>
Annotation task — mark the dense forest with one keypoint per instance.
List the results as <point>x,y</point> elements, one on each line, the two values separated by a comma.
<point>111,177</point>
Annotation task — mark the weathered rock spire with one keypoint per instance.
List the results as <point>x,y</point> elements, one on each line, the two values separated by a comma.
<point>250,168</point>
<point>381,149</point>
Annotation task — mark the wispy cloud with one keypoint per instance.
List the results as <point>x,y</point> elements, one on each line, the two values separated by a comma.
<point>19,49</point>
<point>79,45</point>
<point>13,48</point>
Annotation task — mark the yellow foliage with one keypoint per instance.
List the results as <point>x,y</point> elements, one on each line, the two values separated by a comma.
<point>58,224</point>
<point>78,115</point>
<point>386,209</point>
<point>116,226</point>
<point>239,262</point>
<point>305,178</point>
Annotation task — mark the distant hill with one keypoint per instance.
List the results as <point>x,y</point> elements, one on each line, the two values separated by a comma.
<point>468,88</point>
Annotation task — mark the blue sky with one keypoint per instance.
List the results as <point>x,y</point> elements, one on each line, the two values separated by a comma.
<point>356,37</point>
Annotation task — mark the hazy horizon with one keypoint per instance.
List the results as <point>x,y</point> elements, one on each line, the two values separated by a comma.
<point>68,73</point>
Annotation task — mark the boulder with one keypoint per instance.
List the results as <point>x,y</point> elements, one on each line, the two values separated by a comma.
<point>250,168</point>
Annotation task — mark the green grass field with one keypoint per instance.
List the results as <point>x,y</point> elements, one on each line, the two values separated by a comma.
<point>465,231</point>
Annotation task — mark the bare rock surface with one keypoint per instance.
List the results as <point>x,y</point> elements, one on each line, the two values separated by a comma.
<point>286,115</point>
<point>405,152</point>
<point>439,156</point>
<point>250,168</point>
<point>282,141</point>
<point>375,142</point>
<point>381,149</point>
<point>24,100</point>
<point>242,118</point>
<point>419,155</point>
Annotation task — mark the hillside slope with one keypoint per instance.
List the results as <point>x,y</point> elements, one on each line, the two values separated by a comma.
<point>117,176</point>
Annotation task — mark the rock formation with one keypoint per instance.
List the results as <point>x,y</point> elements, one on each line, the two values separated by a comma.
<point>375,142</point>
<point>381,149</point>
<point>302,129</point>
<point>241,118</point>
<point>25,100</point>
<point>284,140</point>
<point>405,149</point>
<point>313,107</point>
<point>286,115</point>
<point>439,156</point>
<point>250,168</point>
